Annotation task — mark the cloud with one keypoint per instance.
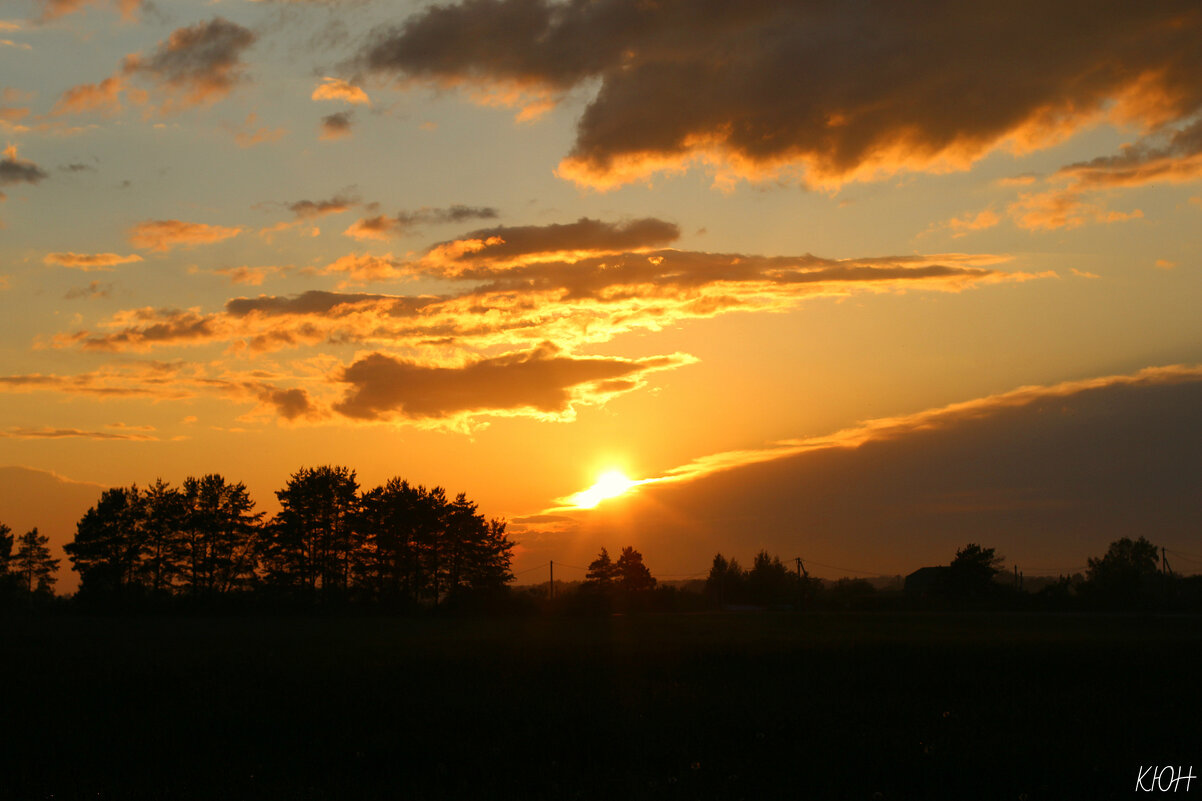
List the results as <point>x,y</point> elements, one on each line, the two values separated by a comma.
<point>103,97</point>
<point>1063,208</point>
<point>15,170</point>
<point>250,133</point>
<point>338,89</point>
<point>968,223</point>
<point>384,228</point>
<point>1165,264</point>
<point>70,433</point>
<point>90,261</point>
<point>524,285</point>
<point>94,289</point>
<point>1165,157</point>
<point>336,126</point>
<point>53,9</point>
<point>838,92</point>
<point>175,381</point>
<point>1049,475</point>
<point>250,276</point>
<point>162,235</point>
<point>308,209</point>
<point>559,240</point>
<point>198,64</point>
<point>365,268</point>
<point>543,382</point>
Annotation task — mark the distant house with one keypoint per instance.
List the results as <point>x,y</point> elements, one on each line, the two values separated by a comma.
<point>926,581</point>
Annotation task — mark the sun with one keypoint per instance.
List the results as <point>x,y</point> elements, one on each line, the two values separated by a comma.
<point>610,484</point>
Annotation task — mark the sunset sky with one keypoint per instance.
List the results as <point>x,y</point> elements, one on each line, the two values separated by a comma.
<point>856,282</point>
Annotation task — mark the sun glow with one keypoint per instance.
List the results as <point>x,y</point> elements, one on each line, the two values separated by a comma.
<point>610,484</point>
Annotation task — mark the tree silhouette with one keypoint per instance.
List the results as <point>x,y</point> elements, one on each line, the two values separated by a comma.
<point>107,548</point>
<point>632,574</point>
<point>768,582</point>
<point>8,581</point>
<point>1127,574</point>
<point>602,572</point>
<point>725,583</point>
<point>220,533</point>
<point>34,564</point>
<point>971,573</point>
<point>310,544</point>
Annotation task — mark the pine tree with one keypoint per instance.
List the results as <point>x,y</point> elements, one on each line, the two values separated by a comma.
<point>34,564</point>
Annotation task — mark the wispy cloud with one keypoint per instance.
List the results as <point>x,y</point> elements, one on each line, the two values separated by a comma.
<point>163,235</point>
<point>90,261</point>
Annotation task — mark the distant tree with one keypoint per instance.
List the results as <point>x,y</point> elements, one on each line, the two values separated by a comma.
<point>1126,574</point>
<point>108,546</point>
<point>34,564</point>
<point>971,573</point>
<point>311,543</point>
<point>632,574</point>
<point>602,572</point>
<point>852,593</point>
<point>725,582</point>
<point>769,581</point>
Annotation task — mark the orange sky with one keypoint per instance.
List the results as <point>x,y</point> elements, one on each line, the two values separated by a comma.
<point>507,247</point>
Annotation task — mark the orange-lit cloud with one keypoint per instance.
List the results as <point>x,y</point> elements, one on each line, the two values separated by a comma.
<point>103,97</point>
<point>162,235</point>
<point>90,261</point>
<point>519,291</point>
<point>176,381</point>
<point>543,382</point>
<point>336,126</point>
<point>71,433</point>
<point>52,9</point>
<point>970,222</point>
<point>565,241</point>
<point>338,89</point>
<point>384,228</point>
<point>1061,208</point>
<point>249,276</point>
<point>1166,157</point>
<point>872,95</point>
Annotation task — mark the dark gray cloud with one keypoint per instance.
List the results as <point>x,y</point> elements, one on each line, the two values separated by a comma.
<point>14,170</point>
<point>1173,156</point>
<point>384,227</point>
<point>583,236</point>
<point>543,380</point>
<point>842,89</point>
<point>1047,475</point>
<point>306,209</point>
<point>94,289</point>
<point>336,126</point>
<point>197,64</point>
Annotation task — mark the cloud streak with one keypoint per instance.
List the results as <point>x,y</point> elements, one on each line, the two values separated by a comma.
<point>163,235</point>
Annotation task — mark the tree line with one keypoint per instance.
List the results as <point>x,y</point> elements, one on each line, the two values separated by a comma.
<point>397,543</point>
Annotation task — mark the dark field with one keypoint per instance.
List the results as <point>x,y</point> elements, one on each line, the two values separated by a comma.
<point>690,706</point>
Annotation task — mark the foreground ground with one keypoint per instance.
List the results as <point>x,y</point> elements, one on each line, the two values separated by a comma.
<point>685,706</point>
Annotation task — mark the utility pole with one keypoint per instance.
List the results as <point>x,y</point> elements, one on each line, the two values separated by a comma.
<point>552,587</point>
<point>801,584</point>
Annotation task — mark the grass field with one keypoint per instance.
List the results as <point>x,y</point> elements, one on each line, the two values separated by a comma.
<point>751,706</point>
